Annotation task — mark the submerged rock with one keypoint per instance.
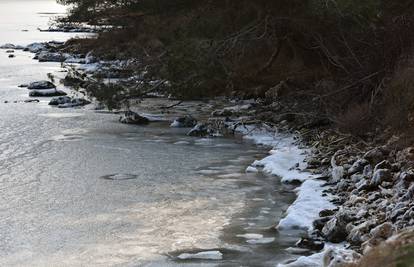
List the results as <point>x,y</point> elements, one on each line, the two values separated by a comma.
<point>40,85</point>
<point>131,117</point>
<point>184,122</point>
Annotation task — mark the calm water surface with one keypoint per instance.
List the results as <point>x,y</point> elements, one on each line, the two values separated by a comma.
<point>79,189</point>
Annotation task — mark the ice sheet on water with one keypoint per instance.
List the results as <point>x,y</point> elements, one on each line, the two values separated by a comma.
<point>204,255</point>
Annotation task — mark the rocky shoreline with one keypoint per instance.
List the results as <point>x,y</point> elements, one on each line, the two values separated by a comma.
<point>370,181</point>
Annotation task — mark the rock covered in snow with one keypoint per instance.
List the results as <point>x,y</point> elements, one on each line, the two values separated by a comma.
<point>184,122</point>
<point>131,117</point>
<point>40,85</point>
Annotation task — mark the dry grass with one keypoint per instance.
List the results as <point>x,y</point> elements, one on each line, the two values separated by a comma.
<point>396,252</point>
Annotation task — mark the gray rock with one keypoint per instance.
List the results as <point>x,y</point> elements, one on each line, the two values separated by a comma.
<point>374,155</point>
<point>184,122</point>
<point>75,102</point>
<point>39,85</point>
<point>338,173</point>
<point>362,185</point>
<point>357,233</point>
<point>383,231</point>
<point>310,244</point>
<point>60,100</point>
<point>381,175</point>
<point>335,229</point>
<point>355,178</point>
<point>11,46</point>
<point>320,223</point>
<point>46,93</point>
<point>385,164</point>
<point>358,166</point>
<point>45,56</point>
<point>200,129</point>
<point>131,117</point>
<point>367,172</point>
<point>409,195</point>
<point>35,47</point>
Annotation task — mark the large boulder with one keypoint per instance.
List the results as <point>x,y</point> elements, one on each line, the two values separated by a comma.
<point>130,117</point>
<point>184,122</point>
<point>40,85</point>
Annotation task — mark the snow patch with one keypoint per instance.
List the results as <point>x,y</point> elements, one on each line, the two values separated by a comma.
<point>306,208</point>
<point>287,160</point>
